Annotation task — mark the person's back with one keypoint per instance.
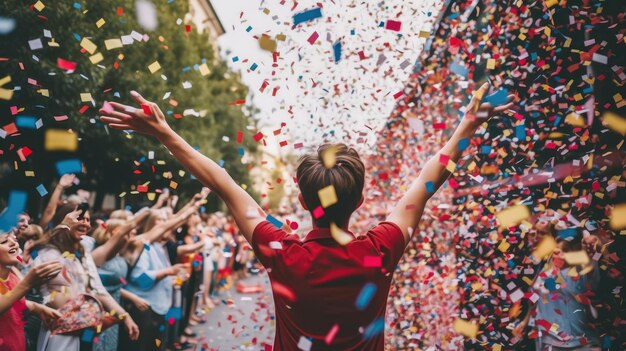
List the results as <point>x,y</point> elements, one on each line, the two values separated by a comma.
<point>334,296</point>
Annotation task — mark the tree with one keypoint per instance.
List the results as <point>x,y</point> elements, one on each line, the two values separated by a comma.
<point>192,88</point>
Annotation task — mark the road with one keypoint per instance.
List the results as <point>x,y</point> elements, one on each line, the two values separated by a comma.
<point>239,321</point>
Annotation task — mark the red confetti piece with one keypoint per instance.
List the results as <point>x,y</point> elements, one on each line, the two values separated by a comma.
<point>146,109</point>
<point>397,95</point>
<point>239,137</point>
<point>283,291</point>
<point>313,38</point>
<point>318,212</point>
<point>393,25</point>
<point>372,261</point>
<point>237,102</point>
<point>331,334</point>
<point>66,65</point>
<point>258,136</point>
<point>142,188</point>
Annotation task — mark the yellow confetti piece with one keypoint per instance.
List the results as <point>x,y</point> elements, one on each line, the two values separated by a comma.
<point>44,92</point>
<point>424,34</point>
<point>545,247</point>
<point>615,122</point>
<point>329,157</point>
<point>151,196</point>
<point>204,69</point>
<point>95,59</point>
<point>451,166</point>
<point>154,66</point>
<point>618,217</point>
<point>575,120</point>
<point>60,140</point>
<point>576,258</point>
<point>327,196</point>
<point>267,44</point>
<point>6,94</point>
<point>157,342</point>
<point>85,97</point>
<point>111,44</point>
<point>504,246</point>
<point>100,22</point>
<point>466,328</point>
<point>181,173</point>
<point>88,45</point>
<point>281,37</point>
<point>491,63</point>
<point>512,215</point>
<point>39,6</point>
<point>339,235</point>
<point>29,173</point>
<point>551,3</point>
<point>173,184</point>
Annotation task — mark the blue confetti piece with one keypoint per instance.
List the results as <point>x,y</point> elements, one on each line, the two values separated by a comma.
<point>275,222</point>
<point>88,335</point>
<point>337,51</point>
<point>307,15</point>
<point>34,254</point>
<point>240,151</point>
<point>550,284</point>
<point>352,32</point>
<point>567,234</point>
<point>15,205</point>
<point>463,144</point>
<point>236,58</point>
<point>520,132</point>
<point>458,69</point>
<point>365,296</point>
<point>41,190</point>
<point>375,328</point>
<point>430,186</point>
<point>76,36</point>
<point>144,281</point>
<point>606,342</point>
<point>146,247</point>
<point>485,149</point>
<point>221,163</point>
<point>497,98</point>
<point>253,67</point>
<point>77,6</point>
<point>72,165</point>
<point>174,312</point>
<point>29,122</point>
<point>381,24</point>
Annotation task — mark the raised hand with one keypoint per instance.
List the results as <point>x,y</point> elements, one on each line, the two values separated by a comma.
<point>42,273</point>
<point>478,111</point>
<point>147,119</point>
<point>67,180</point>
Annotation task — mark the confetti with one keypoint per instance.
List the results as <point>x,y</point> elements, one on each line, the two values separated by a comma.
<point>327,196</point>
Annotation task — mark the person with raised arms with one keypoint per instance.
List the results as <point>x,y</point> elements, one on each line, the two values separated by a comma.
<point>330,289</point>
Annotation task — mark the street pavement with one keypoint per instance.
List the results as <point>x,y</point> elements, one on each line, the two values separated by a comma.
<point>239,321</point>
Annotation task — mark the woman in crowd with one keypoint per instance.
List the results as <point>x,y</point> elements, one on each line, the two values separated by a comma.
<point>78,276</point>
<point>12,292</point>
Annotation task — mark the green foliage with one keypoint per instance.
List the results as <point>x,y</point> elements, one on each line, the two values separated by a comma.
<point>115,161</point>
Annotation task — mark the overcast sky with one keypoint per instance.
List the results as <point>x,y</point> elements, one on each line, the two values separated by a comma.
<point>317,98</point>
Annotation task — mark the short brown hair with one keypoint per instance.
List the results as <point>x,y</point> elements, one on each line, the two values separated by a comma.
<point>347,176</point>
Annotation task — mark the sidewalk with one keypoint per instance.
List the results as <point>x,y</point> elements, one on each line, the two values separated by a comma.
<point>239,321</point>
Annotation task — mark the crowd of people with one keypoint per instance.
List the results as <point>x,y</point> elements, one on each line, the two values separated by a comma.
<point>154,273</point>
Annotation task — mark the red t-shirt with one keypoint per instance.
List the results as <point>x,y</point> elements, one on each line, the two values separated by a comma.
<point>316,284</point>
<point>12,321</point>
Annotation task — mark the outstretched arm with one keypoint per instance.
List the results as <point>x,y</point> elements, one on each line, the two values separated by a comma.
<point>65,182</point>
<point>408,211</point>
<point>244,209</point>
